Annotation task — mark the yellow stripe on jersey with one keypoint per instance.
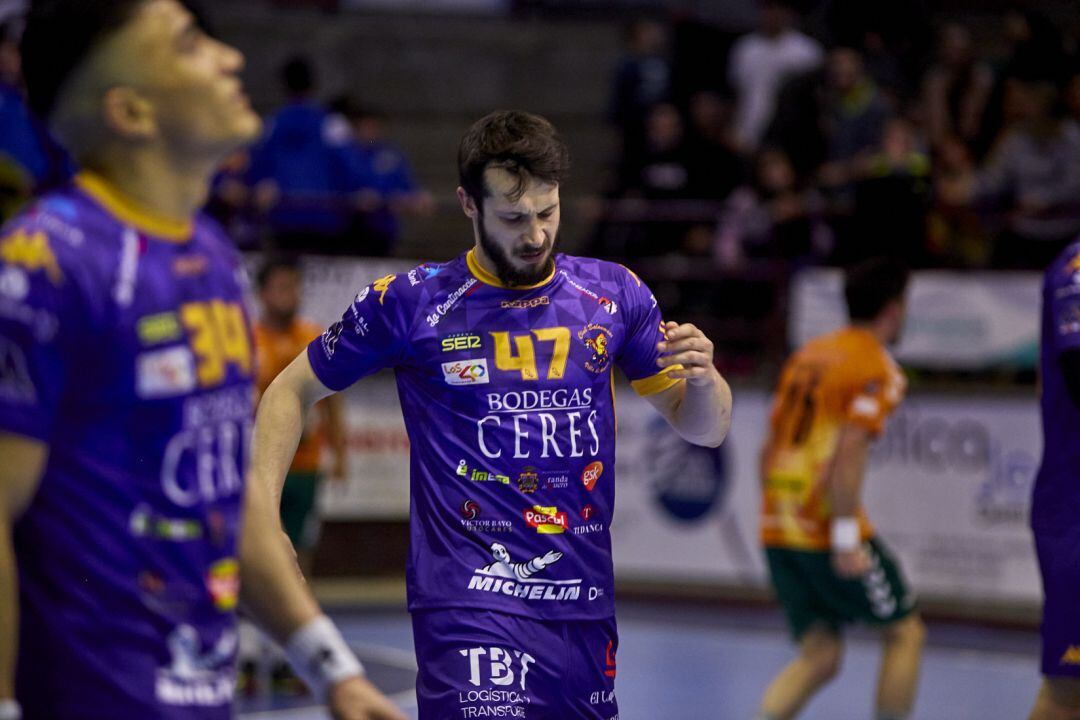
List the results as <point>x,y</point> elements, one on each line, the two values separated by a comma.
<point>488,279</point>
<point>127,211</point>
<point>657,383</point>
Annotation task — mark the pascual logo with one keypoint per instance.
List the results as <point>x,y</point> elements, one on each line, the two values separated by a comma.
<point>546,520</point>
<point>597,338</point>
<point>466,372</point>
<point>444,307</point>
<point>478,475</point>
<point>525,304</point>
<point>591,474</point>
<point>466,341</point>
<point>516,579</point>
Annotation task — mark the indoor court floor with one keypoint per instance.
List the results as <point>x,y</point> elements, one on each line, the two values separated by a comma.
<point>679,662</point>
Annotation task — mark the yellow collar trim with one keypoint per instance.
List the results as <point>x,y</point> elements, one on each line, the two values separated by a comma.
<point>488,279</point>
<point>128,211</point>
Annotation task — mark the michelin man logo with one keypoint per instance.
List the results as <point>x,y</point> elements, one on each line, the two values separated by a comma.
<point>195,678</point>
<point>502,567</point>
<point>517,579</point>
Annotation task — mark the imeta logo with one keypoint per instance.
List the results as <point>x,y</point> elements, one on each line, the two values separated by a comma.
<point>466,372</point>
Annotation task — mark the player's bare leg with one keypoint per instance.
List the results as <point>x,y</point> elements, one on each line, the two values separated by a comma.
<point>901,656</point>
<point>1059,699</point>
<point>820,653</point>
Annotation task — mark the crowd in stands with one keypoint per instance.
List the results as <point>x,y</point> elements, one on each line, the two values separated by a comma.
<point>829,136</point>
<point>836,130</point>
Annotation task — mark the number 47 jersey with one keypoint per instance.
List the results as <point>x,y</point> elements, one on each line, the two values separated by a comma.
<point>508,401</point>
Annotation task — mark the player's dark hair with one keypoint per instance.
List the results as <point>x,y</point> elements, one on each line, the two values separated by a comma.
<point>59,35</point>
<point>872,284</point>
<point>273,264</point>
<point>525,145</point>
<point>298,76</point>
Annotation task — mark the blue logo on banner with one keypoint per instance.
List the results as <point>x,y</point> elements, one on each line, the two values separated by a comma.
<point>689,481</point>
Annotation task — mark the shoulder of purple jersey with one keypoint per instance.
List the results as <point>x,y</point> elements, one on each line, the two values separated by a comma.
<point>59,234</point>
<point>1065,270</point>
<point>605,272</point>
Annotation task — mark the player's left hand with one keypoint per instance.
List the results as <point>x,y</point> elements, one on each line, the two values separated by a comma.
<point>686,345</point>
<point>357,699</point>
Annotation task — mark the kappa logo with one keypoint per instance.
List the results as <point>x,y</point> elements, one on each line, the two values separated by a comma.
<point>32,252</point>
<point>1071,656</point>
<point>591,474</point>
<point>466,372</point>
<point>382,285</point>
<point>525,304</point>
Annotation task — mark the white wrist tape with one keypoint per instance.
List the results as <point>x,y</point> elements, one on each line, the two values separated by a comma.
<point>845,534</point>
<point>320,656</point>
<point>10,710</point>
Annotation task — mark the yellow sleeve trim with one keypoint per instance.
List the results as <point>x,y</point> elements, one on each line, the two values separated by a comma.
<point>657,383</point>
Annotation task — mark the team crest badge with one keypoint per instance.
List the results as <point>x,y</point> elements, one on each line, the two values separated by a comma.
<point>598,339</point>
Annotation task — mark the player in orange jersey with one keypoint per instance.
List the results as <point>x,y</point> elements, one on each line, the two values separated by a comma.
<point>280,335</point>
<point>826,563</point>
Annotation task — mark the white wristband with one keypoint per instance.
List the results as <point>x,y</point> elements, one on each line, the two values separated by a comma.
<point>845,534</point>
<point>320,656</point>
<point>10,710</point>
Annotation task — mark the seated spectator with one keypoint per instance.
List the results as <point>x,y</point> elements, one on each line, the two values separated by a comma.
<point>716,168</point>
<point>774,218</point>
<point>383,179</point>
<point>29,159</point>
<point>1033,174</point>
<point>760,62</point>
<point>892,197</point>
<point>300,172</point>
<point>956,88</point>
<point>955,236</point>
<point>230,201</point>
<point>642,80</point>
<point>855,116</point>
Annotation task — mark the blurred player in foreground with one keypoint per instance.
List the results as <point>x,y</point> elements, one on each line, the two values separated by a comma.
<point>504,360</point>
<point>1055,505</point>
<point>827,566</point>
<point>126,395</point>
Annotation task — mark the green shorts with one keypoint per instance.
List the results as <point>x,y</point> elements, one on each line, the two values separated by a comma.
<point>813,595</point>
<point>297,502</point>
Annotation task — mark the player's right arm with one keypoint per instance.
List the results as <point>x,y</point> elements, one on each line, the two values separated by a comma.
<point>845,485</point>
<point>20,473</point>
<point>279,423</point>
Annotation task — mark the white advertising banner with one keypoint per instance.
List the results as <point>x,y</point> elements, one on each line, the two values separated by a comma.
<point>955,320</point>
<point>948,488</point>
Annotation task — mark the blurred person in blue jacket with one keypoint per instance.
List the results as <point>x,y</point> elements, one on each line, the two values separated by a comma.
<point>300,172</point>
<point>29,160</point>
<point>382,179</point>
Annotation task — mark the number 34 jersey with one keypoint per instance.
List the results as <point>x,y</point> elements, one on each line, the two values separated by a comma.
<point>508,401</point>
<point>845,377</point>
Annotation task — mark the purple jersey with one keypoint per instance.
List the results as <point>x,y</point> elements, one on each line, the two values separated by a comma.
<point>508,400</point>
<point>125,347</point>
<point>1056,501</point>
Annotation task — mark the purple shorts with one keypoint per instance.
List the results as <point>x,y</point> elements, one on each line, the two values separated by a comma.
<point>483,664</point>
<point>1059,563</point>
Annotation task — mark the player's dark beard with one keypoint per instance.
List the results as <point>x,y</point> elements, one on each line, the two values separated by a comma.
<point>504,270</point>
